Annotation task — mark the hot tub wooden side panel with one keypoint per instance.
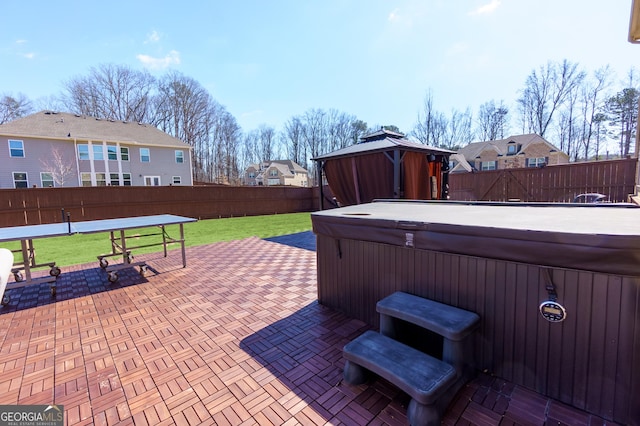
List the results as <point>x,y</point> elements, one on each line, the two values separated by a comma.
<point>591,360</point>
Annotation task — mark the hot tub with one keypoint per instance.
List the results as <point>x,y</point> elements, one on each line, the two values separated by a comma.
<point>504,261</point>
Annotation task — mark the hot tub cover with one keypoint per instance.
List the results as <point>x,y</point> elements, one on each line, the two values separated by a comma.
<point>598,238</point>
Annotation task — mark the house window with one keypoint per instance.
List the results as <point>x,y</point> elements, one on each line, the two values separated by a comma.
<point>98,152</point>
<point>83,151</point>
<point>16,148</point>
<point>152,180</point>
<point>273,182</point>
<point>252,175</point>
<point>176,180</point>
<point>126,179</point>
<point>101,179</point>
<point>86,179</point>
<point>124,153</point>
<point>112,152</point>
<point>20,180</point>
<point>145,156</point>
<point>273,172</point>
<point>114,179</point>
<point>179,157</point>
<point>46,180</point>
<point>511,149</point>
<point>536,162</point>
<point>488,165</point>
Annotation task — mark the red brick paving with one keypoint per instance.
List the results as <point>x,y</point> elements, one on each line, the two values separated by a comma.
<point>236,338</point>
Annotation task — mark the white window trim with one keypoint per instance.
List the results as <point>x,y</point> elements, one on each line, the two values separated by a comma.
<point>116,152</point>
<point>13,177</point>
<point>24,154</point>
<point>483,168</point>
<point>176,178</point>
<point>152,178</point>
<point>53,182</point>
<point>179,154</point>
<point>149,151</point>
<point>88,152</point>
<point>97,149</point>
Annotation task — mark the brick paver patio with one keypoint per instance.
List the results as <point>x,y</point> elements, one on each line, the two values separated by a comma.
<point>237,337</point>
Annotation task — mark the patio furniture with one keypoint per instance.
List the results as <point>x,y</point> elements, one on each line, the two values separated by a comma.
<point>26,234</point>
<point>6,262</point>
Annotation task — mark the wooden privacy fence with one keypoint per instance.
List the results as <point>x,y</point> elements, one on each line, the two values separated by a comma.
<point>614,178</point>
<point>31,206</point>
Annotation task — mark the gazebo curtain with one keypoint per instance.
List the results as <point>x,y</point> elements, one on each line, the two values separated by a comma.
<point>360,179</point>
<point>418,177</point>
<point>363,178</point>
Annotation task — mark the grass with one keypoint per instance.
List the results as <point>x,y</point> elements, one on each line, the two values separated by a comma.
<point>78,249</point>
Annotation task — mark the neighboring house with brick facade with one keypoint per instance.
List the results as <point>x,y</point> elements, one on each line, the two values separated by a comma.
<point>50,149</point>
<point>514,152</point>
<point>276,173</point>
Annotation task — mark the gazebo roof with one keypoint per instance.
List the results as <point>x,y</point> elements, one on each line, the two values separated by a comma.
<point>382,145</point>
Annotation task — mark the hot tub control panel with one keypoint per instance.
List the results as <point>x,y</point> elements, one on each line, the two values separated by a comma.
<point>552,311</point>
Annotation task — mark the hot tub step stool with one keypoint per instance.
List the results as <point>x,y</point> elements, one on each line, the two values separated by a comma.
<point>455,325</point>
<point>427,380</point>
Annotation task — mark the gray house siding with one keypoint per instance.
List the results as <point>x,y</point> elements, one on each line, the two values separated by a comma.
<point>37,152</point>
<point>94,152</point>
<point>161,168</point>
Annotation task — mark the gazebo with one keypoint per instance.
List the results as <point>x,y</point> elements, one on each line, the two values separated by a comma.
<point>384,165</point>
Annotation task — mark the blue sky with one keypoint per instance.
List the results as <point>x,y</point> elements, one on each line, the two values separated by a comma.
<point>266,61</point>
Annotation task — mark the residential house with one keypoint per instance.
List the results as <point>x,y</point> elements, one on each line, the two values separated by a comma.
<point>517,151</point>
<point>277,172</point>
<point>50,149</point>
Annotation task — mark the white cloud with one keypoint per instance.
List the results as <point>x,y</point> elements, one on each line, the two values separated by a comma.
<point>29,55</point>
<point>172,58</point>
<point>486,8</point>
<point>21,41</point>
<point>152,37</point>
<point>394,16</point>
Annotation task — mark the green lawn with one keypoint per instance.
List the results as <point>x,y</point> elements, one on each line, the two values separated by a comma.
<point>77,249</point>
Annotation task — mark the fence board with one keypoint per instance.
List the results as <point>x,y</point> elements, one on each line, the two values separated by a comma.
<point>561,183</point>
<point>31,206</point>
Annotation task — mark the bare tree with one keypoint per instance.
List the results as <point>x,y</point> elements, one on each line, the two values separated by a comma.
<point>14,107</point>
<point>292,138</point>
<point>185,110</point>
<point>592,105</point>
<point>424,129</point>
<point>339,129</point>
<point>267,142</point>
<point>493,121</point>
<point>251,150</point>
<point>228,134</point>
<point>459,131</point>
<point>315,133</point>
<point>545,91</point>
<point>58,166</point>
<point>112,92</point>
